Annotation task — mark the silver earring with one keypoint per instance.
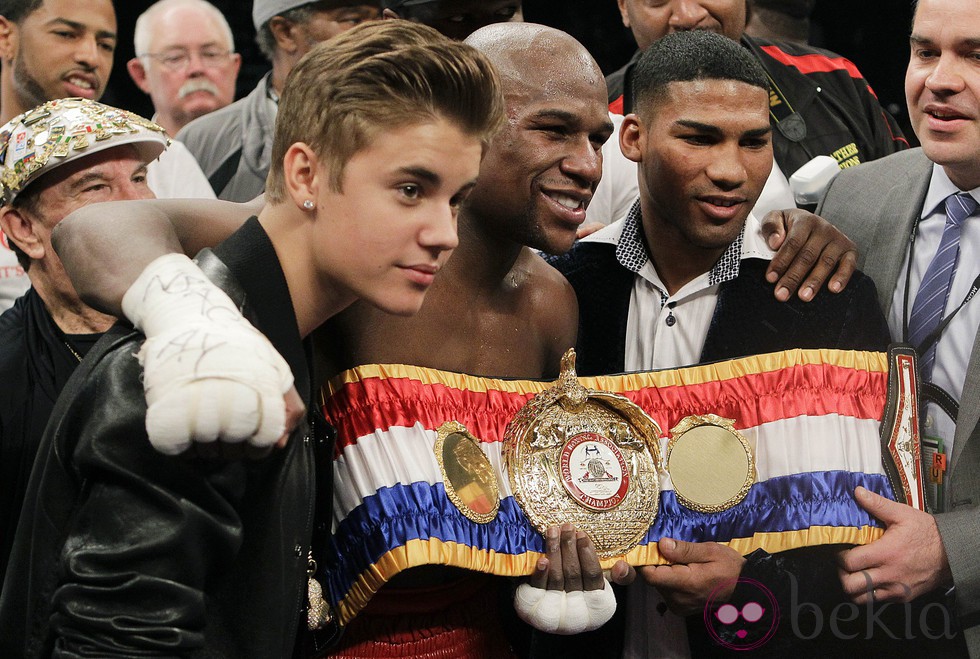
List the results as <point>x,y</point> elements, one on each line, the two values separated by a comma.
<point>309,205</point>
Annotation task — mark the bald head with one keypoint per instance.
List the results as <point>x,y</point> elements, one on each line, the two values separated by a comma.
<point>540,171</point>
<point>537,55</point>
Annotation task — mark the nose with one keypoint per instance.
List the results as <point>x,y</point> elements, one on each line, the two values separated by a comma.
<point>87,51</point>
<point>726,168</point>
<point>438,234</point>
<point>946,76</point>
<point>584,163</point>
<point>685,15</point>
<point>195,63</point>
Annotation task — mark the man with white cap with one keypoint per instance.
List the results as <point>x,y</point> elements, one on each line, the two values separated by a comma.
<point>185,61</point>
<point>50,49</point>
<point>63,48</point>
<point>233,145</point>
<point>55,158</point>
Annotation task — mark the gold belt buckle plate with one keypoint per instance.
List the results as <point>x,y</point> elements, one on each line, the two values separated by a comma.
<point>585,457</point>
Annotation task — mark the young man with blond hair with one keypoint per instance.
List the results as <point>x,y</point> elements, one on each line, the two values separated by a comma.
<point>219,558</point>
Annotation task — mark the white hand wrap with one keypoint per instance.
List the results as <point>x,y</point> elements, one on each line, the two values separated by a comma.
<point>561,612</point>
<point>207,373</point>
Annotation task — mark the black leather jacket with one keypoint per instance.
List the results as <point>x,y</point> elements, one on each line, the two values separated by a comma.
<point>123,551</point>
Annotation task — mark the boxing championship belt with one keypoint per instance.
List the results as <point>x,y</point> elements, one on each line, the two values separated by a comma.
<point>433,467</point>
<point>900,427</point>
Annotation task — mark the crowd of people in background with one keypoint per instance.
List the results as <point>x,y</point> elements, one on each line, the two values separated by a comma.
<point>440,184</point>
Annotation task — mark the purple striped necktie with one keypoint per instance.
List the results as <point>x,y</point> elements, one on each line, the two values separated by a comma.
<point>930,301</point>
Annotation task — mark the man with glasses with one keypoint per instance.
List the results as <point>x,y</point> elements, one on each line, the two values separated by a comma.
<point>234,144</point>
<point>185,61</point>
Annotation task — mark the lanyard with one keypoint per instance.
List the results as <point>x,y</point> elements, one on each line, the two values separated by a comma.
<point>788,121</point>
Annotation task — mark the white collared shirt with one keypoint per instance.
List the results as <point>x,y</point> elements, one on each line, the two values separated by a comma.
<point>956,342</point>
<point>650,342</point>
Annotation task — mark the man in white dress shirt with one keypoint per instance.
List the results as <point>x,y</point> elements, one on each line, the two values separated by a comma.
<point>681,280</point>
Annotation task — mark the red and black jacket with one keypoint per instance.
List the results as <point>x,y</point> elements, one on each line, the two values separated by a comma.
<point>841,116</point>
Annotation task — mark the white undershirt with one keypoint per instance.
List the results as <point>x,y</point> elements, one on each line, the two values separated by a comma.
<point>776,195</point>
<point>618,187</point>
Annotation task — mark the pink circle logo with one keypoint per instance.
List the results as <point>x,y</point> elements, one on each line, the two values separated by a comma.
<point>747,626</point>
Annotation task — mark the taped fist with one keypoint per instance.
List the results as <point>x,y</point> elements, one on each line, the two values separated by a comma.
<point>209,376</point>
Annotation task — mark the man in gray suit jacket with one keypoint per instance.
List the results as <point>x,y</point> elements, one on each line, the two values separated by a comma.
<point>892,207</point>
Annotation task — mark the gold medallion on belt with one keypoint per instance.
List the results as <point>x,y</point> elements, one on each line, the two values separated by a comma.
<point>593,459</point>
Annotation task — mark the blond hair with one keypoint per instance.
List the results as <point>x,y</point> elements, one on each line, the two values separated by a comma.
<point>377,77</point>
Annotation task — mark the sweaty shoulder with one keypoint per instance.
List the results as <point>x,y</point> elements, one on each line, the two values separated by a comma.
<point>553,305</point>
<point>550,285</point>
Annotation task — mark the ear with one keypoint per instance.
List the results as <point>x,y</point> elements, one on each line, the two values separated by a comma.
<point>625,14</point>
<point>236,61</point>
<point>8,39</point>
<point>302,173</point>
<point>19,228</point>
<point>138,73</point>
<point>632,138</point>
<point>284,32</point>
<point>389,13</point>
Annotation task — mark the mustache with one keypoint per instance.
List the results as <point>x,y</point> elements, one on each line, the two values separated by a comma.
<point>197,85</point>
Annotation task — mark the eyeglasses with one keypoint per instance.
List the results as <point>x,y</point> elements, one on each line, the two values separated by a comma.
<point>179,59</point>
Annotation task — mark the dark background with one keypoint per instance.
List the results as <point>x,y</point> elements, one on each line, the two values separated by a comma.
<point>874,35</point>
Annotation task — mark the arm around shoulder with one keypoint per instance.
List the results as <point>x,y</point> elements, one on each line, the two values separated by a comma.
<point>92,239</point>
